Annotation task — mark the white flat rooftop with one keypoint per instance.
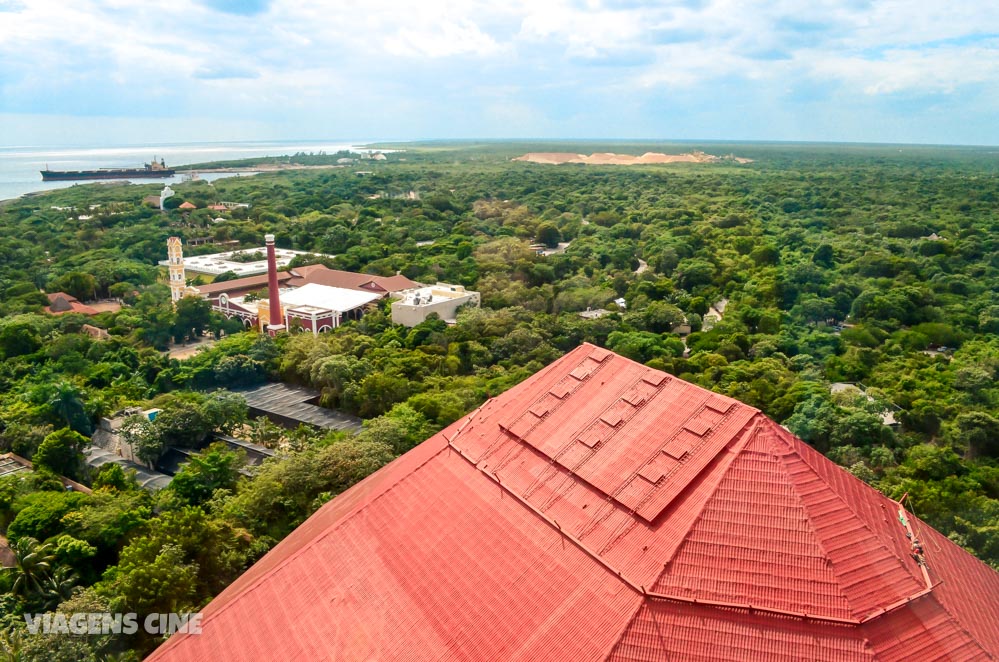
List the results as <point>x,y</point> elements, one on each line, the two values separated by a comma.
<point>428,294</point>
<point>218,263</point>
<point>324,296</point>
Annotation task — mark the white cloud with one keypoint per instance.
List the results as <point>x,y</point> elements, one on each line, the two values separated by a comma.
<point>302,56</point>
<point>680,43</point>
<point>937,70</point>
<point>445,39</point>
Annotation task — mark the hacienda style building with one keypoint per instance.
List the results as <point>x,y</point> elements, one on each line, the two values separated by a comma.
<point>312,298</point>
<point>603,510</point>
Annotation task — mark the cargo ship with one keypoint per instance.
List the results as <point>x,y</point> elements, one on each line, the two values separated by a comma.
<point>154,169</point>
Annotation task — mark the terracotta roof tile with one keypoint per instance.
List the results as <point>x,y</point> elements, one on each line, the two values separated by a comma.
<point>323,275</point>
<point>239,285</point>
<point>61,303</point>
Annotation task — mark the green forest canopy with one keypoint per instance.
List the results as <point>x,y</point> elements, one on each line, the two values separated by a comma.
<point>874,265</point>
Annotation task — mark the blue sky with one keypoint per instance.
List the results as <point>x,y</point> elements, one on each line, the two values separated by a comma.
<point>130,71</point>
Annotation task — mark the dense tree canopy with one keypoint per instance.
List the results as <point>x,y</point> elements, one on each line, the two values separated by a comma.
<point>808,270</point>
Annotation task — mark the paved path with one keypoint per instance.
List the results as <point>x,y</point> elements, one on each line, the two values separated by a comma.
<point>715,313</point>
<point>187,351</point>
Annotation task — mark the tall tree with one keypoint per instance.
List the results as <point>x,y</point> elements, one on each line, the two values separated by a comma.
<point>62,453</point>
<point>67,405</point>
<point>192,317</point>
<point>215,468</point>
<point>33,566</point>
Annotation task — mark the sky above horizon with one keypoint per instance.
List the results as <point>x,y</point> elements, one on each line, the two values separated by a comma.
<point>123,72</point>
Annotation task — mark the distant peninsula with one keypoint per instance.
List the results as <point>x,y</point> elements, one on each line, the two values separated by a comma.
<point>609,158</point>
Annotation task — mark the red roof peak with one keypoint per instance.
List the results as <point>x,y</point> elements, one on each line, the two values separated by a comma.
<point>613,435</point>
<point>787,540</point>
<point>602,509</point>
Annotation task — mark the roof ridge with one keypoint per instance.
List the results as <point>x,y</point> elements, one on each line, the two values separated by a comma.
<point>772,443</point>
<point>639,588</point>
<point>737,448</point>
<point>771,550</point>
<point>726,452</point>
<point>697,518</point>
<point>957,622</point>
<point>745,446</point>
<point>625,628</point>
<point>843,504</point>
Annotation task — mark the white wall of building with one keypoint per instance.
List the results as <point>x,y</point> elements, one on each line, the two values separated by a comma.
<point>444,299</point>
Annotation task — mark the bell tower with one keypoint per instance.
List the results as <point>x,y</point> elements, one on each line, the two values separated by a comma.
<point>175,258</point>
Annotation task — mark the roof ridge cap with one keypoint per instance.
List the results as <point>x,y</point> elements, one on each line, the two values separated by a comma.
<point>848,506</point>
<point>819,542</point>
<point>957,623</point>
<point>755,426</point>
<point>646,593</point>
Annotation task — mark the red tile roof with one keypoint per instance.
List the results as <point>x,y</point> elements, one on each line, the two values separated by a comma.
<point>605,510</point>
<point>323,275</point>
<point>313,273</point>
<point>60,303</point>
<point>239,286</point>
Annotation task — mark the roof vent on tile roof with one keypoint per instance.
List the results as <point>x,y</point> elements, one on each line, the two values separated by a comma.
<point>620,458</point>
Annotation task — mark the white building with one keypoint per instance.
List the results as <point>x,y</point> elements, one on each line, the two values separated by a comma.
<point>444,299</point>
<point>312,307</point>
<point>217,263</point>
<point>167,192</point>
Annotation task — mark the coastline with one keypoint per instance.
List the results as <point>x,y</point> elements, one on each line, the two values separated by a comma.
<point>258,169</point>
<point>247,171</point>
<point>20,164</point>
<point>174,179</point>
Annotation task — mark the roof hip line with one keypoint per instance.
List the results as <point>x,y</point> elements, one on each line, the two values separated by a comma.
<point>641,590</point>
<point>900,603</point>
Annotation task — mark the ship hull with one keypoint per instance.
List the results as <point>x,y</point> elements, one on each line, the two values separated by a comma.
<point>124,173</point>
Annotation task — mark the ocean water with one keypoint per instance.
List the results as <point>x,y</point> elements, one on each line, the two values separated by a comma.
<point>20,166</point>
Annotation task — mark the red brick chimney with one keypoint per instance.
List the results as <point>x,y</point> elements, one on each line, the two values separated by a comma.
<point>275,324</point>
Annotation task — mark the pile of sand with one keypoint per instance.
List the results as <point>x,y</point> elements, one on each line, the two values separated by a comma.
<point>608,158</point>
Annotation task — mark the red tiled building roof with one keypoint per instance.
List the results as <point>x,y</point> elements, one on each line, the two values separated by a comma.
<point>240,286</point>
<point>314,273</point>
<point>61,303</point>
<point>323,275</point>
<point>605,510</point>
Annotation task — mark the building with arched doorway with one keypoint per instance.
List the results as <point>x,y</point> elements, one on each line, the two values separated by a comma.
<point>313,297</point>
<point>312,307</point>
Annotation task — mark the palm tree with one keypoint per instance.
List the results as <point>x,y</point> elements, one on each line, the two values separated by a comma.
<point>58,586</point>
<point>34,565</point>
<point>67,405</point>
